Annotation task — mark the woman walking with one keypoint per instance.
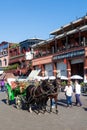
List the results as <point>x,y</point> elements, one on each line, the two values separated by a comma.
<point>69,91</point>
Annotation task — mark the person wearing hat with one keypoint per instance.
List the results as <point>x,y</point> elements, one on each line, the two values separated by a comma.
<point>69,91</point>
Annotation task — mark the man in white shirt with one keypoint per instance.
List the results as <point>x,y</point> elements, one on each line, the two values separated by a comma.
<point>78,93</point>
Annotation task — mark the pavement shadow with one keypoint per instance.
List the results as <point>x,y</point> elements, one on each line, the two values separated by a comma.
<point>62,102</point>
<point>84,94</point>
<point>85,108</point>
<point>4,101</point>
<point>11,102</point>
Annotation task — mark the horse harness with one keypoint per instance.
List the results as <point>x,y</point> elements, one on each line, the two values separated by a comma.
<point>42,92</point>
<point>33,92</point>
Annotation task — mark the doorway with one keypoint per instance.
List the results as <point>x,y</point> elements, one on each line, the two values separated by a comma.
<point>77,69</point>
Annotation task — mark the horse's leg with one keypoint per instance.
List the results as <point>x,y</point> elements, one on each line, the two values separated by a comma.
<point>56,107</point>
<point>44,104</point>
<point>30,108</point>
<point>37,101</point>
<point>29,104</point>
<point>50,104</point>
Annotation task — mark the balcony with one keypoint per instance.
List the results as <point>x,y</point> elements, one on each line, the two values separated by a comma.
<point>16,58</point>
<point>60,50</point>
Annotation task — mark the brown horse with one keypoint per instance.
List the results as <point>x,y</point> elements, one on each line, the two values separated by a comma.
<point>37,95</point>
<point>55,88</point>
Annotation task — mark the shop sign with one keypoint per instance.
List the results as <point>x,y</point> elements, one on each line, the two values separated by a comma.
<point>69,54</point>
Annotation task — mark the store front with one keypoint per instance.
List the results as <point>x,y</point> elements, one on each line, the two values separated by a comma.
<point>77,67</point>
<point>71,63</point>
<point>61,69</point>
<point>48,70</point>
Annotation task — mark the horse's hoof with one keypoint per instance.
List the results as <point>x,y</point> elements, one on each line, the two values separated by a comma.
<point>30,110</point>
<point>44,112</point>
<point>39,113</point>
<point>56,111</point>
<point>50,111</point>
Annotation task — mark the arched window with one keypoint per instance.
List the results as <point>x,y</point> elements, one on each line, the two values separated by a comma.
<point>5,62</point>
<point>0,63</point>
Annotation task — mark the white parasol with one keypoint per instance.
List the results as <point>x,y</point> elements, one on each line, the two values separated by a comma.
<point>63,77</point>
<point>38,78</point>
<point>76,77</point>
<point>46,77</point>
<point>52,77</point>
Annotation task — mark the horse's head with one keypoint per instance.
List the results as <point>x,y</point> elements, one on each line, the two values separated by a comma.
<point>45,85</point>
<point>57,82</point>
<point>55,85</point>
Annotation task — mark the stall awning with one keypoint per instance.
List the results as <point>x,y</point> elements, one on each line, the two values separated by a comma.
<point>1,71</point>
<point>33,74</point>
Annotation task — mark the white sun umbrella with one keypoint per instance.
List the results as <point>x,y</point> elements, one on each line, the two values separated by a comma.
<point>52,77</point>
<point>63,77</point>
<point>38,78</point>
<point>85,81</point>
<point>46,77</point>
<point>76,77</point>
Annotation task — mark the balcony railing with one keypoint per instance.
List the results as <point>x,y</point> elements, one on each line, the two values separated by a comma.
<point>60,50</point>
<point>17,56</point>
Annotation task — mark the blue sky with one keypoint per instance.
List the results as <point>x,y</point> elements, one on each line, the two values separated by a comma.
<point>24,19</point>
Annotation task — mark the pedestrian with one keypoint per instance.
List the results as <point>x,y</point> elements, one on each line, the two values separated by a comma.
<point>2,85</point>
<point>72,84</point>
<point>68,91</point>
<point>77,93</point>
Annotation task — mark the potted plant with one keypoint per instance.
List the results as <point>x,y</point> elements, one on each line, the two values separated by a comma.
<point>63,84</point>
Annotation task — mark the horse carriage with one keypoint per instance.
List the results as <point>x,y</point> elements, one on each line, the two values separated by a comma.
<point>33,93</point>
<point>16,89</point>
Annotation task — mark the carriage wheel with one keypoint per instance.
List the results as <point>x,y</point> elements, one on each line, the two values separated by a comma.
<point>18,102</point>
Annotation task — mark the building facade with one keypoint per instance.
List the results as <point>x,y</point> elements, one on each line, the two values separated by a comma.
<point>21,54</point>
<point>65,53</point>
<point>4,54</point>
